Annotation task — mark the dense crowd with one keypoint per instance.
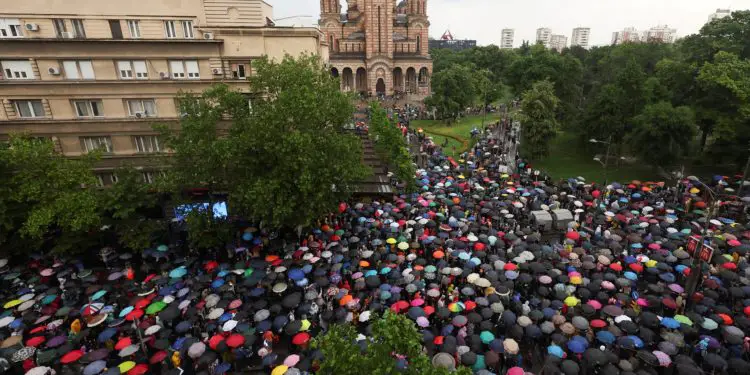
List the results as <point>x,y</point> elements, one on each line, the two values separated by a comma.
<point>487,284</point>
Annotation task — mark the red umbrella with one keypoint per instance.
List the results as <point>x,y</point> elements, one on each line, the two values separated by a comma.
<point>235,340</point>
<point>470,305</point>
<point>301,338</point>
<point>133,315</point>
<point>572,235</point>
<point>149,277</point>
<point>616,267</point>
<point>636,267</point>
<point>214,341</point>
<point>158,357</point>
<point>71,357</point>
<point>729,266</point>
<point>598,323</point>
<point>139,369</point>
<point>141,304</point>
<point>210,265</point>
<point>510,267</point>
<point>429,310</point>
<point>35,341</point>
<point>123,343</point>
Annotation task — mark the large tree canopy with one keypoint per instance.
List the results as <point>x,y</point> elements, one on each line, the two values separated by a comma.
<point>537,117</point>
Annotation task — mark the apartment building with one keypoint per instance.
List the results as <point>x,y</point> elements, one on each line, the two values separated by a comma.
<point>580,37</point>
<point>720,13</point>
<point>627,35</point>
<point>660,33</point>
<point>558,42</point>
<point>544,36</point>
<point>97,74</point>
<point>507,38</point>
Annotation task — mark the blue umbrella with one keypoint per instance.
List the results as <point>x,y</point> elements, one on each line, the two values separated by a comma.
<point>218,283</point>
<point>95,367</point>
<point>631,276</point>
<point>177,345</point>
<point>247,236</point>
<point>125,311</point>
<point>555,351</point>
<point>636,341</point>
<point>296,274</point>
<point>301,283</point>
<point>264,326</point>
<point>577,346</point>
<point>605,337</point>
<point>183,327</point>
<point>668,277</point>
<point>98,295</point>
<point>106,334</point>
<point>222,368</point>
<point>670,323</point>
<point>178,272</point>
<point>257,292</point>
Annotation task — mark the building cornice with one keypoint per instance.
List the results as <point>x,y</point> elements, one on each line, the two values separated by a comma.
<point>113,41</point>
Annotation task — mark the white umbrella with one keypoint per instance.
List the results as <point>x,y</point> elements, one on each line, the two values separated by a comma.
<point>212,300</point>
<point>196,350</point>
<point>4,322</point>
<point>215,313</point>
<point>472,277</point>
<point>128,351</point>
<point>262,315</point>
<point>365,316</point>
<point>153,329</point>
<point>229,325</point>
<point>279,287</point>
<point>41,370</point>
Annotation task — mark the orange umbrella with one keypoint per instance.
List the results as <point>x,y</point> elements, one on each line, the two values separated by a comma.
<point>438,254</point>
<point>345,299</point>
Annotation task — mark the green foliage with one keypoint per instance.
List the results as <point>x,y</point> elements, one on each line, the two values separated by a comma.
<point>663,133</point>
<point>392,335</point>
<point>44,192</point>
<point>391,145</point>
<point>125,210</point>
<point>537,116</point>
<point>453,90</point>
<point>285,162</point>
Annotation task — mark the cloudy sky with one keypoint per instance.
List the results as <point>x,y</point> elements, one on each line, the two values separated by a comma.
<point>484,19</point>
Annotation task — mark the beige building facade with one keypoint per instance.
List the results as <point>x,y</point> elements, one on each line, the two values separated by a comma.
<point>97,74</point>
<point>378,47</point>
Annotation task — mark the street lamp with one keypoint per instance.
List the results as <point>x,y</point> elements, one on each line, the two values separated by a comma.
<point>605,164</point>
<point>696,270</point>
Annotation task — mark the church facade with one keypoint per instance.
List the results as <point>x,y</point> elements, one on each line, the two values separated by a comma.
<point>378,47</point>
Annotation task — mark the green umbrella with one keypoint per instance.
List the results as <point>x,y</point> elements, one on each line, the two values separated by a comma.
<point>683,319</point>
<point>155,307</point>
<point>49,299</point>
<point>486,337</point>
<point>162,248</point>
<point>249,272</point>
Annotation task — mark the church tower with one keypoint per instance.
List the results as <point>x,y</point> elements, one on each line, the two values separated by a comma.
<point>379,28</point>
<point>328,7</point>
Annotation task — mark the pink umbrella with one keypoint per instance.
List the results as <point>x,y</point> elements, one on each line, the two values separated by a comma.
<point>515,371</point>
<point>642,302</point>
<point>292,360</point>
<point>664,359</point>
<point>423,322</point>
<point>608,285</point>
<point>654,246</point>
<point>595,304</point>
<point>676,288</point>
<point>733,243</point>
<point>417,302</point>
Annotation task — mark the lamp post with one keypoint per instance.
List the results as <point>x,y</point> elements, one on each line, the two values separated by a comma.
<point>605,164</point>
<point>696,271</point>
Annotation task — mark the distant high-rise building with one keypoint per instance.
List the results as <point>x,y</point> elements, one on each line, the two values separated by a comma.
<point>720,13</point>
<point>506,40</point>
<point>580,37</point>
<point>558,42</point>
<point>544,35</point>
<point>660,33</point>
<point>628,34</point>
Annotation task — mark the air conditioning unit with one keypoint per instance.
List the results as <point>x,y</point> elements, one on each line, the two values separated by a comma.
<point>164,75</point>
<point>53,70</point>
<point>208,35</point>
<point>217,71</point>
<point>140,115</point>
<point>67,35</point>
<point>32,27</point>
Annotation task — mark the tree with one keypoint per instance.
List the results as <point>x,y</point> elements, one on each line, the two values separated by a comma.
<point>537,117</point>
<point>391,145</point>
<point>393,336</point>
<point>604,116</point>
<point>45,194</point>
<point>663,133</point>
<point>291,161</point>
<point>130,208</point>
<point>453,90</point>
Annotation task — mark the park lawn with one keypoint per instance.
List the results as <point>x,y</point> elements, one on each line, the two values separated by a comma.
<point>568,160</point>
<point>460,130</point>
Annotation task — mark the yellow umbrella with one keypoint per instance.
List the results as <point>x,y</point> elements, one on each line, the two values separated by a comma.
<point>694,191</point>
<point>571,301</point>
<point>504,175</point>
<point>126,366</point>
<point>576,280</point>
<point>305,325</point>
<point>461,176</point>
<point>651,263</point>
<point>279,370</point>
<point>13,303</point>
<point>403,245</point>
<point>391,241</point>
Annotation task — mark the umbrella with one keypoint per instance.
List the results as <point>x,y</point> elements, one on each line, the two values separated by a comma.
<point>23,354</point>
<point>95,367</point>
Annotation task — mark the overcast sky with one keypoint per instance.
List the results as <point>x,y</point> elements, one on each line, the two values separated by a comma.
<point>484,19</point>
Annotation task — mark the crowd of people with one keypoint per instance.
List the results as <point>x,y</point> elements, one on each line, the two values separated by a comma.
<point>487,285</point>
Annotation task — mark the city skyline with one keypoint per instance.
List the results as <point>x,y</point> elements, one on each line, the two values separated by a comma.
<point>484,20</point>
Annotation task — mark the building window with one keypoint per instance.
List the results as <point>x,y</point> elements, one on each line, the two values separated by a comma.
<point>89,108</point>
<point>170,29</point>
<point>115,28</point>
<point>151,176</point>
<point>240,71</point>
<point>103,143</point>
<point>78,69</point>
<point>141,107</point>
<point>134,26</point>
<point>29,108</point>
<point>187,29</point>
<point>147,144</point>
<point>419,43</point>
<point>78,30</point>
<point>10,28</point>
<point>132,69</point>
<point>179,69</point>
<point>60,28</point>
<point>17,69</point>
<point>106,179</point>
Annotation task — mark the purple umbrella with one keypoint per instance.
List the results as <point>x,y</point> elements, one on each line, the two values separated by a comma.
<point>676,288</point>
<point>56,341</point>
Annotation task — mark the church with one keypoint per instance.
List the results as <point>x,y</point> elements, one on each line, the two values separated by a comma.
<point>378,47</point>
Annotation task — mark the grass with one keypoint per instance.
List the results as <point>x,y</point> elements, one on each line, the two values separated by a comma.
<point>567,159</point>
<point>458,133</point>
